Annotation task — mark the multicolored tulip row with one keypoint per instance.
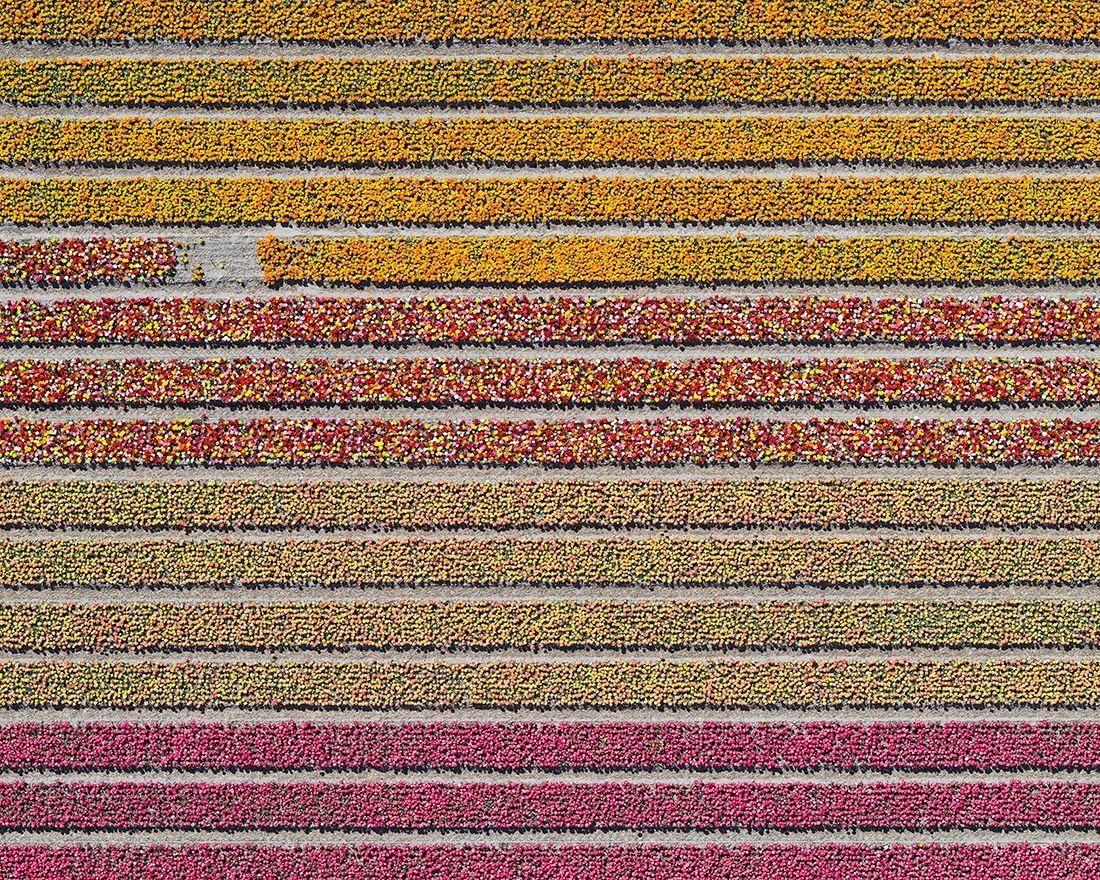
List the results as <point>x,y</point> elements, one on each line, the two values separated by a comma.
<point>547,806</point>
<point>554,320</point>
<point>549,82</point>
<point>687,684</point>
<point>558,504</point>
<point>579,562</point>
<point>575,260</point>
<point>626,443</point>
<point>551,21</point>
<point>553,747</point>
<point>558,625</point>
<point>572,382</point>
<point>406,201</point>
<point>69,262</point>
<point>925,861</point>
<point>547,141</point>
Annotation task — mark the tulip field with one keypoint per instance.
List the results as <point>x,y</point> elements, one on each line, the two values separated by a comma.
<point>546,440</point>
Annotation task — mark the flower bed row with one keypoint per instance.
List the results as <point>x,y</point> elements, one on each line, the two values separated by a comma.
<point>573,382</point>
<point>926,861</point>
<point>544,21</point>
<point>549,82</point>
<point>69,262</point>
<point>628,443</point>
<point>403,201</point>
<point>534,626</point>
<point>553,747</point>
<point>617,504</point>
<point>555,320</point>
<point>578,562</point>
<point>548,141</point>
<point>570,261</point>
<point>547,806</point>
<point>689,684</point>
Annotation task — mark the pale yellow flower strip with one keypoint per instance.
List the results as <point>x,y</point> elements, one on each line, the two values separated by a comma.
<point>355,21</point>
<point>327,82</point>
<point>422,202</point>
<point>578,260</point>
<point>459,626</point>
<point>825,503</point>
<point>553,562</point>
<point>605,685</point>
<point>602,141</point>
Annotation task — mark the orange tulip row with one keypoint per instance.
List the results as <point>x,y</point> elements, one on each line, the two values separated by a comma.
<point>549,82</point>
<point>548,141</point>
<point>403,201</point>
<point>572,562</point>
<point>576,261</point>
<point>553,21</point>
<point>534,626</point>
<point>692,684</point>
<point>572,504</point>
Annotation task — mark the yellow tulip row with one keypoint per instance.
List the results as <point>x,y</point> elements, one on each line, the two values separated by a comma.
<point>403,201</point>
<point>801,503</point>
<point>551,562</point>
<point>555,82</point>
<point>577,260</point>
<point>552,21</point>
<point>605,685</point>
<point>539,141</point>
<point>459,626</point>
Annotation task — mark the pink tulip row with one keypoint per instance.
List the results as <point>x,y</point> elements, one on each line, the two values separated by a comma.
<point>953,746</point>
<point>542,862</point>
<point>68,262</point>
<point>547,806</point>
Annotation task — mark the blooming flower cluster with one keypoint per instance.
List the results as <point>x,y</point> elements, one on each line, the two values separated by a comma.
<point>553,504</point>
<point>547,806</point>
<point>682,684</point>
<point>557,625</point>
<point>827,861</point>
<point>550,82</point>
<point>68,262</point>
<point>556,320</point>
<point>706,260</point>
<point>627,443</point>
<point>548,141</point>
<point>572,382</point>
<point>572,562</point>
<point>551,21</point>
<point>405,201</point>
<point>555,747</point>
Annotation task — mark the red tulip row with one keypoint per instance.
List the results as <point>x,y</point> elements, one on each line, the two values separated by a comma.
<point>557,320</point>
<point>925,861</point>
<point>553,747</point>
<point>548,806</point>
<point>573,382</point>
<point>664,442</point>
<point>68,262</point>
<point>553,21</point>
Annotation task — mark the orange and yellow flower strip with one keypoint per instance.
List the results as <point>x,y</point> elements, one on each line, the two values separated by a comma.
<point>581,260</point>
<point>403,201</point>
<point>549,141</point>
<point>573,504</point>
<point>552,21</point>
<point>549,82</point>
<point>533,626</point>
<point>574,562</point>
<point>727,684</point>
